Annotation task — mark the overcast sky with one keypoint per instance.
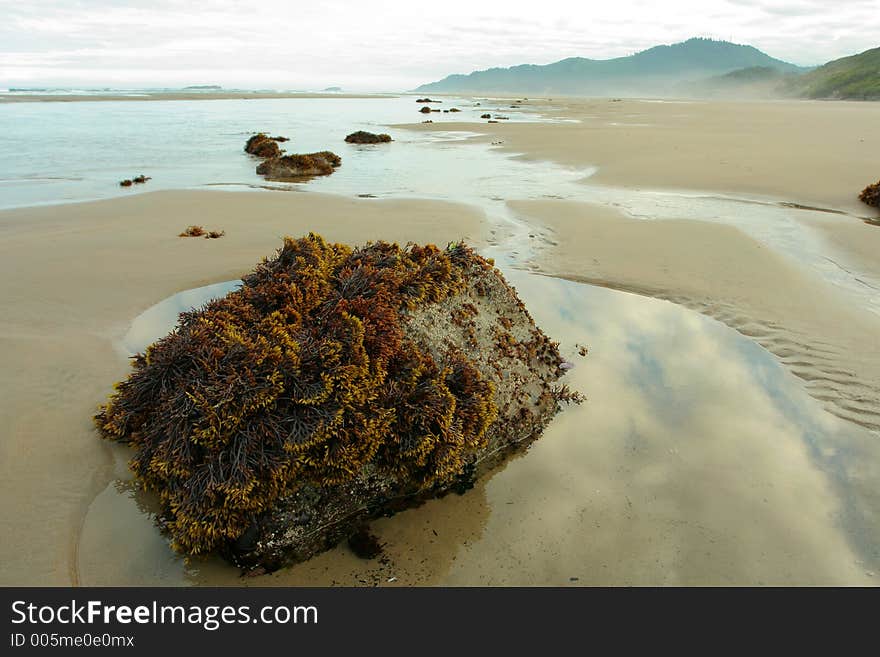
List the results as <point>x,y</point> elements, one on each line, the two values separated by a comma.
<point>387,44</point>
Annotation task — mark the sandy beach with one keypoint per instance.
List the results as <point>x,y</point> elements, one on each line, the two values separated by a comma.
<point>74,276</point>
<point>811,152</point>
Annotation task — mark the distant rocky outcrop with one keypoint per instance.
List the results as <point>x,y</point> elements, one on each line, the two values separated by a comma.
<point>485,116</point>
<point>364,137</point>
<point>300,165</point>
<point>871,195</point>
<point>425,110</point>
<point>427,100</point>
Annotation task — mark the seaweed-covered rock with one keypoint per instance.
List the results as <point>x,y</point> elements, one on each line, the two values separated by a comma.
<point>334,386</point>
<point>300,165</point>
<point>262,145</point>
<point>485,116</point>
<point>425,110</point>
<point>427,100</point>
<point>871,195</point>
<point>363,137</point>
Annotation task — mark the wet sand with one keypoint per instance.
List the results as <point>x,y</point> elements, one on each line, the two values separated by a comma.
<point>817,153</point>
<point>716,497</point>
<point>73,277</point>
<point>810,153</point>
<point>827,341</point>
<point>697,459</point>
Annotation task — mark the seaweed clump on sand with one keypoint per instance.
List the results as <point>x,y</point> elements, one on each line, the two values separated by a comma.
<point>871,195</point>
<point>336,385</point>
<point>364,137</point>
<point>199,231</point>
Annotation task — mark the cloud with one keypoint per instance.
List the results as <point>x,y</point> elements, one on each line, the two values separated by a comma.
<point>389,42</point>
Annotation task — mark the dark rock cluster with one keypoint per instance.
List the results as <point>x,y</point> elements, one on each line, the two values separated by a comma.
<point>137,180</point>
<point>278,166</point>
<point>363,137</point>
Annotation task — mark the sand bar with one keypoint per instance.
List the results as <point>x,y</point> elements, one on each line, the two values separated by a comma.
<point>812,152</point>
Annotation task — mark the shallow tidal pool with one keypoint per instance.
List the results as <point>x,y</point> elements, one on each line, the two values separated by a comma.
<point>696,459</point>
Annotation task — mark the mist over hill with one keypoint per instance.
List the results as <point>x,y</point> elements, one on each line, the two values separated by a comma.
<point>659,70</point>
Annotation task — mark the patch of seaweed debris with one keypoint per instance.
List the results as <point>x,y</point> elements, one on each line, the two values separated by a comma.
<point>199,231</point>
<point>871,195</point>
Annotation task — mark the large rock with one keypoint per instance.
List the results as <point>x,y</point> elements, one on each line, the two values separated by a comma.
<point>300,165</point>
<point>335,386</point>
<point>363,137</point>
<point>871,195</point>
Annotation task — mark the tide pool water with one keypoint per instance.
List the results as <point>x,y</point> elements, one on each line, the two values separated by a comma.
<point>696,459</point>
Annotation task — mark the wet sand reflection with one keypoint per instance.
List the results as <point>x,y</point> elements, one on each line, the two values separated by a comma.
<point>697,459</point>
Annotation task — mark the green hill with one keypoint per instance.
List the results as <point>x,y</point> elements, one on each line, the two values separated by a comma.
<point>656,70</point>
<point>852,78</point>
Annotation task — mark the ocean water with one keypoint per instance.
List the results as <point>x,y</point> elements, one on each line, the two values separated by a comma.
<point>61,152</point>
<point>54,152</point>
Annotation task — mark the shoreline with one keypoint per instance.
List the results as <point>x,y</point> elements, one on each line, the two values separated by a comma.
<point>182,95</point>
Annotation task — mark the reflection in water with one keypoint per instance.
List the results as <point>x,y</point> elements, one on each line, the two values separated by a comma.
<point>189,143</point>
<point>697,459</point>
<point>158,320</point>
